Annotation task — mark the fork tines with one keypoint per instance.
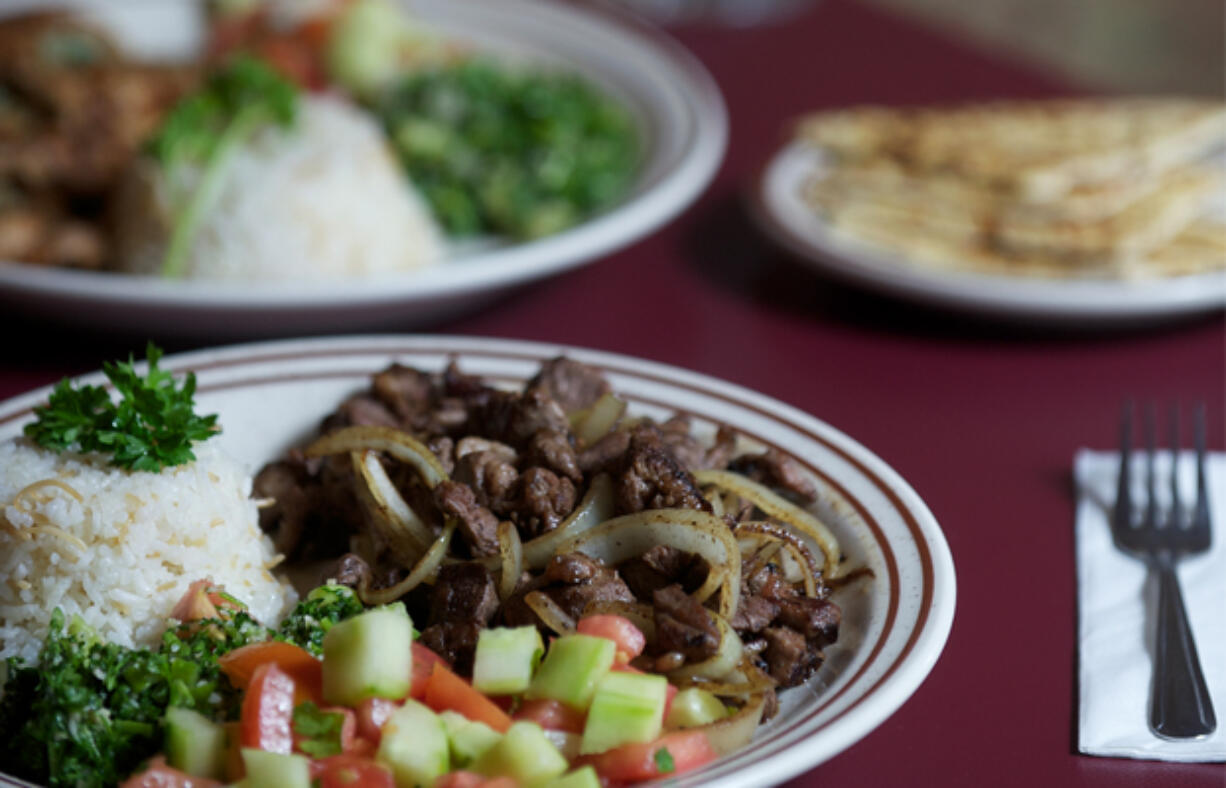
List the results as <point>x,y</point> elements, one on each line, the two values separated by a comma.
<point>1193,518</point>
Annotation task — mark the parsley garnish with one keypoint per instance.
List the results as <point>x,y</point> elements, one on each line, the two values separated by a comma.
<point>204,128</point>
<point>319,732</point>
<point>664,761</point>
<point>152,426</point>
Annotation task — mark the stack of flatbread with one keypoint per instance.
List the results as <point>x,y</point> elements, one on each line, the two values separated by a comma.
<point>1115,188</point>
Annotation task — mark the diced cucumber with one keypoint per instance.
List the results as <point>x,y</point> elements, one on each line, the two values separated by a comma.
<point>369,656</point>
<point>275,770</point>
<point>571,669</point>
<point>523,754</point>
<point>627,707</point>
<point>414,746</point>
<point>505,659</point>
<point>195,744</point>
<point>469,739</point>
<point>363,50</point>
<point>693,707</point>
<point>584,777</point>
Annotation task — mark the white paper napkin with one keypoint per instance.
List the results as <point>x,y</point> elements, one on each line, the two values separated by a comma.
<point>1116,605</point>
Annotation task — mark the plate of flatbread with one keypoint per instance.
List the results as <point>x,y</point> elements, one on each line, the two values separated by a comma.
<point>1069,210</point>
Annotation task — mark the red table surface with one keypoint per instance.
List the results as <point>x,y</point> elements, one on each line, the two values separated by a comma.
<point>982,420</point>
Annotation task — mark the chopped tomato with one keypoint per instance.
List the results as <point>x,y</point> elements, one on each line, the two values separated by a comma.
<point>349,771</point>
<point>302,666</point>
<point>630,639</point>
<point>682,750</point>
<point>551,715</point>
<point>268,711</point>
<point>372,713</point>
<point>446,690</point>
<point>462,779</point>
<point>195,603</point>
<point>423,665</point>
<point>159,775</point>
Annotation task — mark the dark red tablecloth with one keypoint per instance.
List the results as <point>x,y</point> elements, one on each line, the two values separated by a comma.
<point>983,420</point>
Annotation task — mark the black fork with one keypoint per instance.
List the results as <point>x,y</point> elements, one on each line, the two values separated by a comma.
<point>1180,704</point>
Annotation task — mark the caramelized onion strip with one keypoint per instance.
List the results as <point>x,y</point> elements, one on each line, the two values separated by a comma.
<point>594,509</point>
<point>594,423</point>
<point>793,544</point>
<point>736,730</point>
<point>405,533</point>
<point>688,530</point>
<point>779,508</point>
<point>425,568</point>
<point>395,443</point>
<point>550,612</point>
<point>512,554</point>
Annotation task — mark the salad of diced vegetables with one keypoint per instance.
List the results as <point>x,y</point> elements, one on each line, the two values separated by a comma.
<point>380,709</point>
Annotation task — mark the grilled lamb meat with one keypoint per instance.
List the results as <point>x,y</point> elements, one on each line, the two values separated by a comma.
<point>573,581</point>
<point>571,384</point>
<point>775,469</point>
<point>650,477</point>
<point>683,625</point>
<point>476,524</point>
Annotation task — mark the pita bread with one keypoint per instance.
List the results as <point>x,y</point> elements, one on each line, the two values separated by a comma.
<point>969,217</point>
<point>1035,151</point>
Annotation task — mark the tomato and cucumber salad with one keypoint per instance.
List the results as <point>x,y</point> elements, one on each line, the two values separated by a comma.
<point>380,709</point>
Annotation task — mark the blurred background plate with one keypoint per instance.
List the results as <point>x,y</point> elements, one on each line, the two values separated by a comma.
<point>783,214</point>
<point>677,104</point>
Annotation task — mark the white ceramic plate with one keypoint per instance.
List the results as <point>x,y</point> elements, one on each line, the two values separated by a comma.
<point>271,396</point>
<point>783,214</point>
<point>678,106</point>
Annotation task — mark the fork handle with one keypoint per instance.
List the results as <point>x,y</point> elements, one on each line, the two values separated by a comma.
<point>1182,708</point>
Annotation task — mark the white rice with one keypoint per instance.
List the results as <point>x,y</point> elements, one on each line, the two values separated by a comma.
<point>322,200</point>
<point>122,555</point>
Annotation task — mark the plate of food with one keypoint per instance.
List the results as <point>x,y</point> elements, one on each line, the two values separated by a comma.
<point>335,540</point>
<point>273,167</point>
<point>1089,211</point>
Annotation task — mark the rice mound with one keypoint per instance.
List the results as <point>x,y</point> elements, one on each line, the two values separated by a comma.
<point>126,551</point>
<point>322,200</point>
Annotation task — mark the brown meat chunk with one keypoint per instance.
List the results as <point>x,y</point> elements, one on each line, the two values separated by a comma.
<point>571,384</point>
<point>683,625</point>
<point>513,418</point>
<point>552,449</point>
<point>573,581</point>
<point>491,476</point>
<point>405,391</point>
<point>605,452</point>
<point>775,469</point>
<point>817,619</point>
<point>544,500</point>
<point>650,477</point>
<point>454,641</point>
<point>360,410</point>
<point>660,566</point>
<point>477,524</point>
<point>789,658</point>
<point>463,592</point>
<point>754,613</point>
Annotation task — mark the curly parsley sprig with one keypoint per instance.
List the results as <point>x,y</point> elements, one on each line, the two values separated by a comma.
<point>153,425</point>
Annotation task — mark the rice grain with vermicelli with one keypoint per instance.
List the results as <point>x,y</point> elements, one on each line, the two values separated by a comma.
<point>118,548</point>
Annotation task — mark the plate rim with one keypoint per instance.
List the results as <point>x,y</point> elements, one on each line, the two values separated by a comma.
<point>1051,301</point>
<point>903,675</point>
<point>681,182</point>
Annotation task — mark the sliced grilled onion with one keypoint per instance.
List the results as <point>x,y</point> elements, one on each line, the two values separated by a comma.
<point>425,568</point>
<point>592,424</point>
<point>512,554</point>
<point>550,612</point>
<point>594,509</point>
<point>721,663</point>
<point>736,730</point>
<point>688,530</point>
<point>405,533</point>
<point>801,555</point>
<point>398,444</point>
<point>778,507</point>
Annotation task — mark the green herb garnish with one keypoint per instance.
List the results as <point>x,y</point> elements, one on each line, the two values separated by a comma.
<point>664,761</point>
<point>312,617</point>
<point>511,152</point>
<point>319,732</point>
<point>91,712</point>
<point>152,426</point>
<point>206,127</point>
